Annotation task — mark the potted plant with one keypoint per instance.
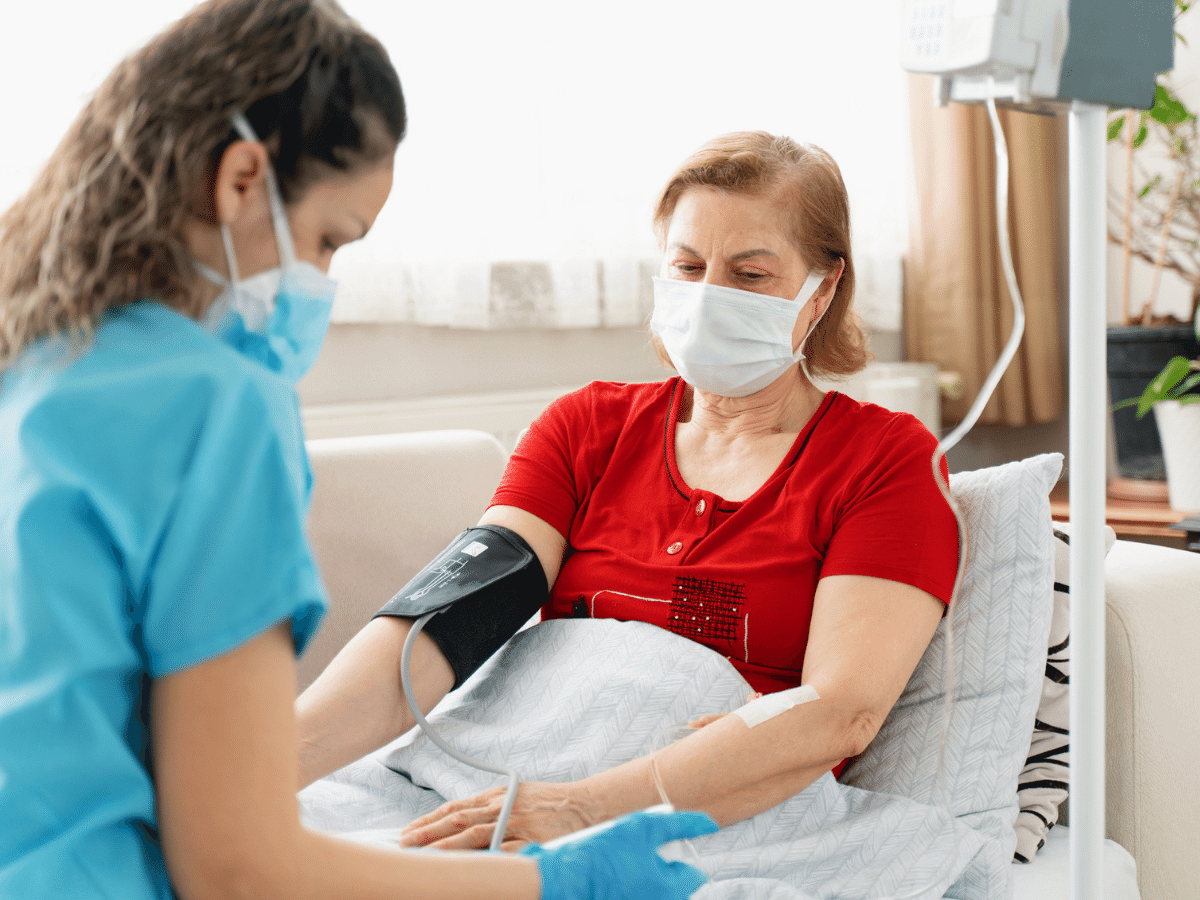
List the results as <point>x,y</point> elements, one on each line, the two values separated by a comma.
<point>1157,216</point>
<point>1177,415</point>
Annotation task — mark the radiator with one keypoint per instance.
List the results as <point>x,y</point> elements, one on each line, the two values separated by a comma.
<point>905,387</point>
<point>505,414</point>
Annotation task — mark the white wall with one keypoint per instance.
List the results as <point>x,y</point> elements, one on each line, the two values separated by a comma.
<point>376,379</point>
<point>380,363</point>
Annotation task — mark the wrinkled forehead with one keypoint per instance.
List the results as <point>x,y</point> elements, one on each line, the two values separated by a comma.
<point>734,224</point>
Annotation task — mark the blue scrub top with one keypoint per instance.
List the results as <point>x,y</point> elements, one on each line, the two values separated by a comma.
<point>153,495</point>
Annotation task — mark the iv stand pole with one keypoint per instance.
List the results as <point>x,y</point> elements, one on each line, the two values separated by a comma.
<point>1086,468</point>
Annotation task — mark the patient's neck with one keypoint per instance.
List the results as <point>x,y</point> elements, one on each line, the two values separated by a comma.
<point>782,407</point>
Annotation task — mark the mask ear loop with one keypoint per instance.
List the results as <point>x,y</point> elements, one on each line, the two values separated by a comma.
<point>217,309</point>
<point>815,322</point>
<point>235,280</point>
<point>279,219</point>
<point>230,259</point>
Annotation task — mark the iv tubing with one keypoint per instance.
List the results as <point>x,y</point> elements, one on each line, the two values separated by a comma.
<point>513,780</point>
<point>985,394</point>
<point>1010,277</point>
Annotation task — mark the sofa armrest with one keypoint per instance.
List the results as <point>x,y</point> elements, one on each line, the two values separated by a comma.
<point>382,507</point>
<point>1153,730</point>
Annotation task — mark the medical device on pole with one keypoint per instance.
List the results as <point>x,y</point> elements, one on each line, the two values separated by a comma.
<point>1078,57</point>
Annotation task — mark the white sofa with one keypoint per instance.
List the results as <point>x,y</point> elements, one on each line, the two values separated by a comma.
<point>385,505</point>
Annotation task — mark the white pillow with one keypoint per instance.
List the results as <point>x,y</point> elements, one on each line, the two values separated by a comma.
<point>1001,626</point>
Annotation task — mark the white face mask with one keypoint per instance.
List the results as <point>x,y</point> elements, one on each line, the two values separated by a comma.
<point>726,341</point>
<point>279,316</point>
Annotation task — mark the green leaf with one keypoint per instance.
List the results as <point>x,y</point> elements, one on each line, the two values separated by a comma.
<point>1187,384</point>
<point>1140,137</point>
<point>1167,109</point>
<point>1172,373</point>
<point>1175,371</point>
<point>1114,127</point>
<point>1150,185</point>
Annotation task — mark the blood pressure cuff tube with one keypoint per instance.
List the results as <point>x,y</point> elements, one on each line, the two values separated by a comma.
<point>487,583</point>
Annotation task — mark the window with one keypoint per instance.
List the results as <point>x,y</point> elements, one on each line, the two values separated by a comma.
<point>540,133</point>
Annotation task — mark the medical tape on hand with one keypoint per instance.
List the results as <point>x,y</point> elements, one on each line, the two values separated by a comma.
<point>770,705</point>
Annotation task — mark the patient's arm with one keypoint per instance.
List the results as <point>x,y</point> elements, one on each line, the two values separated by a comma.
<point>543,539</point>
<point>357,704</point>
<point>866,637</point>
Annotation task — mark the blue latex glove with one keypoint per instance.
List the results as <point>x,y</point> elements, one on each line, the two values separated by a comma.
<point>621,862</point>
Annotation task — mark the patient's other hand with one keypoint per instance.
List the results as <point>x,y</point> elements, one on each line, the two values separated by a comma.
<point>543,811</point>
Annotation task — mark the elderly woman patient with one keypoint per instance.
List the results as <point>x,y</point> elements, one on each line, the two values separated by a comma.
<point>796,532</point>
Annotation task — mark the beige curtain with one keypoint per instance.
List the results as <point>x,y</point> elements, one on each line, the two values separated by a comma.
<point>957,311</point>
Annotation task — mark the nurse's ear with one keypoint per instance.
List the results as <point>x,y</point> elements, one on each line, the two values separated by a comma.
<point>239,186</point>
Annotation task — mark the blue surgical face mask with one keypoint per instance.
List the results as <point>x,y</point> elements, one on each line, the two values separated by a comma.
<point>727,341</point>
<point>278,317</point>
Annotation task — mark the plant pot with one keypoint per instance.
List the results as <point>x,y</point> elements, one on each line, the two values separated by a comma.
<point>1179,430</point>
<point>1135,355</point>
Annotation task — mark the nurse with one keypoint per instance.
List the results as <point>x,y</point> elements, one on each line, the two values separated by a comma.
<point>162,286</point>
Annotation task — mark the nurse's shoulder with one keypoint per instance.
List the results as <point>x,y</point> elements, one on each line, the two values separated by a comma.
<point>144,367</point>
<point>139,405</point>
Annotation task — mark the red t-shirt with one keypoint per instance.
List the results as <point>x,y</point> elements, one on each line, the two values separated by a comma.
<point>854,496</point>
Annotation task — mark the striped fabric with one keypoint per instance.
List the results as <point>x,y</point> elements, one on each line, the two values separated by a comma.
<point>1043,783</point>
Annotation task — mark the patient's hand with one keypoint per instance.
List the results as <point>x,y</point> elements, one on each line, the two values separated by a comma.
<point>543,811</point>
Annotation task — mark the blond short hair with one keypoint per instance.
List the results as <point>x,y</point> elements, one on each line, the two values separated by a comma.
<point>809,185</point>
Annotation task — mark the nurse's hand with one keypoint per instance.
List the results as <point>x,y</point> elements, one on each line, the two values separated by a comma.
<point>541,813</point>
<point>622,861</point>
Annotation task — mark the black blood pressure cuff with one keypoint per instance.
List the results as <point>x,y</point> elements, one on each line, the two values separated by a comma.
<point>485,586</point>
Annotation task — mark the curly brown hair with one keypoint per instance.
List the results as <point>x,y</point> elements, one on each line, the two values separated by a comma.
<point>810,185</point>
<point>102,224</point>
